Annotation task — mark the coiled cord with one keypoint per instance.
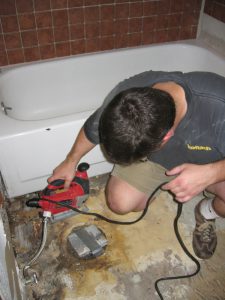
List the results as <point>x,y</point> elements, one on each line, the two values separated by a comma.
<point>176,230</point>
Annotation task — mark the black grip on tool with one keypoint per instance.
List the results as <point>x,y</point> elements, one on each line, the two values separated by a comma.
<point>33,202</point>
<point>52,186</point>
<point>83,167</point>
<point>57,182</point>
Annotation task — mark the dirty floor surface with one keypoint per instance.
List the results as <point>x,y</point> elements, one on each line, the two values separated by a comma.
<point>136,255</point>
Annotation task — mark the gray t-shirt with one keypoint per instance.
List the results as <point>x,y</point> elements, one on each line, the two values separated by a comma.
<point>200,136</point>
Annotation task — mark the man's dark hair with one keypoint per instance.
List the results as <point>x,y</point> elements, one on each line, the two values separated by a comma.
<point>133,124</point>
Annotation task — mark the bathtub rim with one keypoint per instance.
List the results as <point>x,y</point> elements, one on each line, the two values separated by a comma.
<point>191,42</point>
<point>10,127</point>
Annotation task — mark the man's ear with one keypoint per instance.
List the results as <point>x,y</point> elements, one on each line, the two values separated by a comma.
<point>169,134</point>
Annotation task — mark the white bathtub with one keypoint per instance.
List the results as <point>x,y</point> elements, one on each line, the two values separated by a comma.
<point>51,100</point>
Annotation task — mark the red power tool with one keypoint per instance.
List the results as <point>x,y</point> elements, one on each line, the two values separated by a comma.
<point>75,196</point>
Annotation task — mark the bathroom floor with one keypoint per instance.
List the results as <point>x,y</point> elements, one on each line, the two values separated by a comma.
<point>135,257</point>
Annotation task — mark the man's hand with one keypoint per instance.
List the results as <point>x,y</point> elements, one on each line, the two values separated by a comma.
<point>190,181</point>
<point>65,171</point>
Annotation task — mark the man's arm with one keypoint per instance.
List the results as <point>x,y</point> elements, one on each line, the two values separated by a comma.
<point>66,169</point>
<point>193,179</point>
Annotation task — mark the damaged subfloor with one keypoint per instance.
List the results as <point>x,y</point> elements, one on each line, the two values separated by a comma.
<point>135,257</point>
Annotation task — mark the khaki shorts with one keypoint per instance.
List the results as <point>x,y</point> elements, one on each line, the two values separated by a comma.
<point>145,176</point>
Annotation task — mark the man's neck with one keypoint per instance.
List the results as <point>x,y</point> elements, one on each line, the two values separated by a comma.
<point>178,95</point>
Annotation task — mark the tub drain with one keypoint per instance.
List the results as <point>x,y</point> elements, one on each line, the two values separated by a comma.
<point>87,242</point>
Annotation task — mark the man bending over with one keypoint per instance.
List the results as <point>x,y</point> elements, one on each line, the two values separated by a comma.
<point>161,127</point>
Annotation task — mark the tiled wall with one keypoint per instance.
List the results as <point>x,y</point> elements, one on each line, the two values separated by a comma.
<point>32,30</point>
<point>216,9</point>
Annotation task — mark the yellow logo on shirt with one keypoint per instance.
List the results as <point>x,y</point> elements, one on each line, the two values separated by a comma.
<point>199,148</point>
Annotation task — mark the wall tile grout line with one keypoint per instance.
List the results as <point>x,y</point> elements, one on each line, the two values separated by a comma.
<point>69,28</point>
